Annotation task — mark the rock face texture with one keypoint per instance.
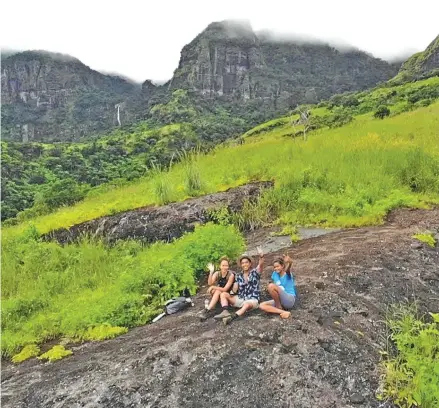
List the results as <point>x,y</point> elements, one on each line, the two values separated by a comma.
<point>229,60</point>
<point>163,223</point>
<point>325,356</point>
<point>422,64</point>
<point>47,96</point>
<point>52,97</point>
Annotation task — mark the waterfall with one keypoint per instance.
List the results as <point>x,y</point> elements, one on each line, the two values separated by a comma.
<point>118,113</point>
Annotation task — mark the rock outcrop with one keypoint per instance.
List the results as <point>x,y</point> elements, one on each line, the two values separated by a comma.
<point>229,60</point>
<point>55,97</point>
<point>163,223</point>
<point>326,355</point>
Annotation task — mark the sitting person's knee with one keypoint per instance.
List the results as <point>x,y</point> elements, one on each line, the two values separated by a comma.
<point>224,295</point>
<point>272,286</point>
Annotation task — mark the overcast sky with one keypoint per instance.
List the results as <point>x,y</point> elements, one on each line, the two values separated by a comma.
<point>142,39</point>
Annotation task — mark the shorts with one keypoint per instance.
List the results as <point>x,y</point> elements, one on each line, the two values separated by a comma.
<point>286,300</point>
<point>239,302</point>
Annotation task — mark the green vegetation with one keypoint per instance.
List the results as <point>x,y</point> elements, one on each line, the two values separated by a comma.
<point>411,367</point>
<point>55,353</point>
<point>29,351</point>
<point>426,237</point>
<point>420,65</point>
<point>345,176</point>
<point>40,178</point>
<point>92,292</point>
<point>101,332</point>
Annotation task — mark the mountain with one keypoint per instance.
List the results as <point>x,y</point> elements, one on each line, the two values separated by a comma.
<point>228,60</point>
<point>54,97</point>
<point>422,64</point>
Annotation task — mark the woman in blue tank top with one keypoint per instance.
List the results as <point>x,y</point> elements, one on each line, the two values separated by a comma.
<point>282,290</point>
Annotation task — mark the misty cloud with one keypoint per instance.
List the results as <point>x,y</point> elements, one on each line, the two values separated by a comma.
<point>143,40</point>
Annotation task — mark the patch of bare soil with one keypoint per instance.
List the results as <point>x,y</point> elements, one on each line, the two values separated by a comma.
<point>326,355</point>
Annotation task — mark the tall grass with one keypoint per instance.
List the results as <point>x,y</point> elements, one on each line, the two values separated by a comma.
<point>89,291</point>
<point>193,182</point>
<point>161,187</point>
<point>350,175</point>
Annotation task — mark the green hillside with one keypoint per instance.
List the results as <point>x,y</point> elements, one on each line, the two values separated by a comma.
<point>355,110</point>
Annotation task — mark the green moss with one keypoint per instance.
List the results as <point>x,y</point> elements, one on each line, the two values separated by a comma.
<point>55,353</point>
<point>29,351</point>
<point>426,237</point>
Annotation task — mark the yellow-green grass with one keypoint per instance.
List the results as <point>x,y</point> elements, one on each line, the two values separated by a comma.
<point>90,291</point>
<point>363,153</point>
<point>378,93</point>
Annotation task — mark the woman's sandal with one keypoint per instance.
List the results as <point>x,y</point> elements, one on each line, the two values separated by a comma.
<point>285,315</point>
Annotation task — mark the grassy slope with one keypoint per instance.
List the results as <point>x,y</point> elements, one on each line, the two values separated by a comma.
<point>263,159</point>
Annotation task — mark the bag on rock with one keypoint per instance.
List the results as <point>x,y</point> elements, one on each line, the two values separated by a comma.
<point>177,304</point>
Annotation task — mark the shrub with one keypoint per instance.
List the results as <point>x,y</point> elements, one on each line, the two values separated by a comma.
<point>382,112</point>
<point>411,372</point>
<point>88,291</point>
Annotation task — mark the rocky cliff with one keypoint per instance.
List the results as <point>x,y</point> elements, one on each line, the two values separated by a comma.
<point>52,97</point>
<point>422,64</point>
<point>47,96</point>
<point>229,60</point>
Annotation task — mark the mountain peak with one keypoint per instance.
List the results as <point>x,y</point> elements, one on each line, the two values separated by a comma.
<point>44,55</point>
<point>228,59</point>
<point>228,30</point>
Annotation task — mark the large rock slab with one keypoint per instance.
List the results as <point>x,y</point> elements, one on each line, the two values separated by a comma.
<point>165,223</point>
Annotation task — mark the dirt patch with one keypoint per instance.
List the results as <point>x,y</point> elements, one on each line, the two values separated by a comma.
<point>163,223</point>
<point>325,356</point>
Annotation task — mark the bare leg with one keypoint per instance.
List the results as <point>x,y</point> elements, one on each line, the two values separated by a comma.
<point>273,290</point>
<point>226,299</point>
<point>269,308</point>
<point>214,300</point>
<point>247,306</point>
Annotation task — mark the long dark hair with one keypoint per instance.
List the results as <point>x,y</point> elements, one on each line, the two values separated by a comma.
<point>281,262</point>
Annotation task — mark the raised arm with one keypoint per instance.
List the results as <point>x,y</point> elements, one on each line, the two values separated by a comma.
<point>288,264</point>
<point>212,275</point>
<point>260,266</point>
